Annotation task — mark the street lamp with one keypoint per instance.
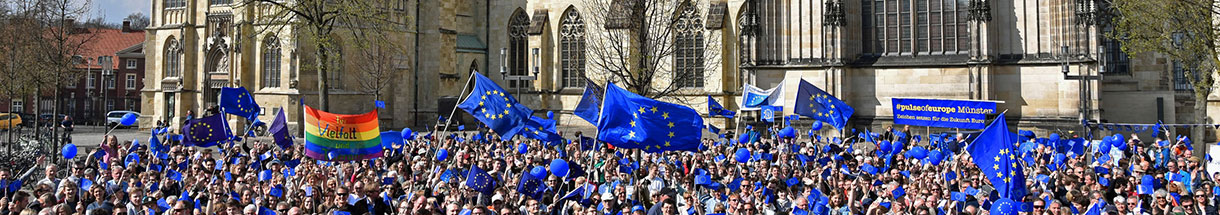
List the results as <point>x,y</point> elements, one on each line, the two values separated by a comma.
<point>107,73</point>
<point>537,60</point>
<point>504,62</point>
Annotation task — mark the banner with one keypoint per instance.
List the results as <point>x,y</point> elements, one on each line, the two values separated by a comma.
<point>337,137</point>
<point>942,113</point>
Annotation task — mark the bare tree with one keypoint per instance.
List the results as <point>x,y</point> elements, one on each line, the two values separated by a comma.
<point>15,45</point>
<point>99,22</point>
<point>320,22</point>
<point>61,41</point>
<point>1183,30</point>
<point>379,66</point>
<point>138,20</point>
<point>638,41</point>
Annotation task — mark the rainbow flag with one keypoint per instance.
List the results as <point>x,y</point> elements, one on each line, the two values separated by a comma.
<point>337,137</point>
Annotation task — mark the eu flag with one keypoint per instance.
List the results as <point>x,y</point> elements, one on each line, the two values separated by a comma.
<point>238,101</point>
<point>994,151</point>
<point>814,103</point>
<point>279,130</point>
<point>205,132</point>
<point>590,103</point>
<point>715,109</point>
<point>496,108</point>
<point>629,120</point>
<point>531,186</point>
<point>541,129</point>
<point>480,181</point>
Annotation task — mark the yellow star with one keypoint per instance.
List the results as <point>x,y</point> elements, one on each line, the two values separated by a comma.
<point>666,143</point>
<point>635,115</point>
<point>997,159</point>
<point>1007,179</point>
<point>480,103</point>
<point>646,148</point>
<point>501,94</point>
<point>813,97</point>
<point>485,115</point>
<point>632,123</point>
<point>641,109</point>
<point>505,111</point>
<point>654,109</point>
<point>671,124</point>
<point>996,166</point>
<point>631,134</point>
<point>671,134</point>
<point>665,115</point>
<point>1012,157</point>
<point>508,105</point>
<point>997,175</point>
<point>484,97</point>
<point>811,105</point>
<point>1003,151</point>
<point>832,106</point>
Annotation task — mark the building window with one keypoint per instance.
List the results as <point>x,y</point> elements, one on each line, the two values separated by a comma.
<point>572,48</point>
<point>90,81</point>
<point>131,81</point>
<point>131,104</point>
<point>109,81</point>
<point>271,62</point>
<point>131,63</point>
<point>46,104</point>
<point>333,76</point>
<point>109,104</point>
<point>18,106</point>
<point>939,27</point>
<point>173,58</point>
<point>688,47</point>
<point>518,45</point>
<point>1180,81</point>
<point>175,3</point>
<point>216,2</point>
<point>71,84</point>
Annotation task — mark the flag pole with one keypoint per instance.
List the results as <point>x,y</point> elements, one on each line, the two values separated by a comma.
<point>470,78</point>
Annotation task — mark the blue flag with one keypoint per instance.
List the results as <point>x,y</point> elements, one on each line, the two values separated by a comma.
<point>715,109</point>
<point>633,121</point>
<point>496,108</point>
<point>713,129</point>
<point>238,101</point>
<point>205,132</point>
<point>480,181</point>
<point>814,103</point>
<point>279,130</point>
<point>531,186</point>
<point>590,103</point>
<point>541,129</point>
<point>994,151</point>
<point>768,113</point>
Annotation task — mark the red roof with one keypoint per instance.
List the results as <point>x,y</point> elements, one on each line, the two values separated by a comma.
<point>107,42</point>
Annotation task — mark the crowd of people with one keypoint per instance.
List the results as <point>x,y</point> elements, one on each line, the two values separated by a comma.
<point>807,175</point>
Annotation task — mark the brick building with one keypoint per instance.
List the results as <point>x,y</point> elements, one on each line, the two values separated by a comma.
<point>103,89</point>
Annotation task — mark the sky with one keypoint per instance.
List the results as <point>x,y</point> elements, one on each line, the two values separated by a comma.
<point>115,10</point>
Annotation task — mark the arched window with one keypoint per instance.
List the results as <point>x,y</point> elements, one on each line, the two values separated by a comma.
<point>173,58</point>
<point>334,74</point>
<point>688,47</point>
<point>572,48</point>
<point>271,62</point>
<point>518,46</point>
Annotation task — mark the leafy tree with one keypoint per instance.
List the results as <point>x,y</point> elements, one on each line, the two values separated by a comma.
<point>1182,30</point>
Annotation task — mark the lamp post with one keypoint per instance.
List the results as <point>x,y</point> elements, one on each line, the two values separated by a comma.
<point>107,73</point>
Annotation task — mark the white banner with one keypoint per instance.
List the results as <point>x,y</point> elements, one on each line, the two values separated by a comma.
<point>1213,165</point>
<point>753,98</point>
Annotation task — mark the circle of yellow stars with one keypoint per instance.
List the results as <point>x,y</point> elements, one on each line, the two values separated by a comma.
<point>198,127</point>
<point>493,115</point>
<point>1011,171</point>
<point>819,98</point>
<point>664,116</point>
